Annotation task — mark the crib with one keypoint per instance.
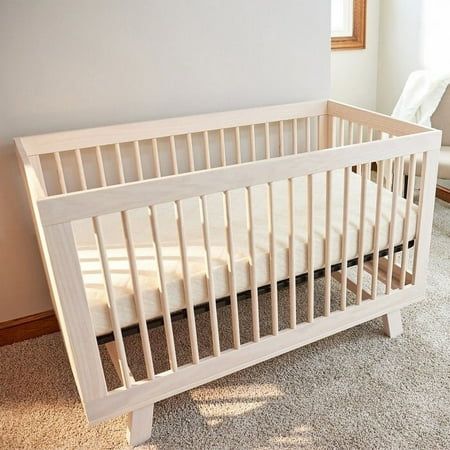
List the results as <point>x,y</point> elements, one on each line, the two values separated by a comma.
<point>145,223</point>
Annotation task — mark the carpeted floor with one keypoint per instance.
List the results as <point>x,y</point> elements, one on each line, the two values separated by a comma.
<point>358,389</point>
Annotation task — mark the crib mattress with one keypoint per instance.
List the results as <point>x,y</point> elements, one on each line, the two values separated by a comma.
<point>167,225</point>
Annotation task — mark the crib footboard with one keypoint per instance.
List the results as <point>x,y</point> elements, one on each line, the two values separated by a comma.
<point>312,139</point>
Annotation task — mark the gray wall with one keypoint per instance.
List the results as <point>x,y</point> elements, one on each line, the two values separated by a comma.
<point>70,64</point>
<point>400,48</point>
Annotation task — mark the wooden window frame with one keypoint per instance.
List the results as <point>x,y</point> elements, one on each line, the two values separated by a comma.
<point>358,38</point>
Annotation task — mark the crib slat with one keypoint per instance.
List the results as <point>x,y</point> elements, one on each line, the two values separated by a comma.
<point>230,251</point>
<point>100,166</point>
<point>156,164</point>
<point>359,141</point>
<point>114,314</point>
<point>388,179</point>
<point>344,251</point>
<point>187,283</point>
<point>223,157</point>
<point>281,137</point>
<point>292,282</point>
<point>341,132</point>
<point>163,290</point>
<point>308,133</point>
<point>388,182</point>
<point>206,148</point>
<point>310,212</point>
<point>392,225</point>
<point>376,238</point>
<point>119,164</point>
<point>251,241</point>
<point>294,136</point>
<point>237,138</point>
<point>210,277</point>
<point>310,219</point>
<point>190,152</point>
<point>327,296</point>
<point>401,183</point>
<point>60,171</point>
<point>138,160</point>
<point>267,140</point>
<point>407,220</point>
<point>81,174</point>
<point>423,170</point>
<point>351,132</point>
<point>273,262</point>
<point>232,272</point>
<point>362,223</point>
<point>183,251</point>
<point>208,258</point>
<point>252,143</point>
<point>173,155</point>
<point>332,132</point>
<point>138,298</point>
<point>310,229</point>
<point>252,262</point>
<point>272,244</point>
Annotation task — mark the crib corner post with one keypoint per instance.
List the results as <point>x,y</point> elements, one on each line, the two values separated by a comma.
<point>139,425</point>
<point>392,324</point>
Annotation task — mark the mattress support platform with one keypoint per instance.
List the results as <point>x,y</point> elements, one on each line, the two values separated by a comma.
<point>302,278</point>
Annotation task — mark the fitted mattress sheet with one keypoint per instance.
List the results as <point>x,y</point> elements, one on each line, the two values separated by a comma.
<point>167,225</point>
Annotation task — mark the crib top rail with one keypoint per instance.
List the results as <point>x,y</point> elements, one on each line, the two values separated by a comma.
<point>116,134</point>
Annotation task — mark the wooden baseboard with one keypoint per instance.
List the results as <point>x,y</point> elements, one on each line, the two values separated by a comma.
<point>28,327</point>
<point>443,193</point>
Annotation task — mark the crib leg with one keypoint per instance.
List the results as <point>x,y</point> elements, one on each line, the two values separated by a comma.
<point>139,427</point>
<point>392,324</point>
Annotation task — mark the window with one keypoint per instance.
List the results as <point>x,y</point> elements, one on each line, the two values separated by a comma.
<point>348,24</point>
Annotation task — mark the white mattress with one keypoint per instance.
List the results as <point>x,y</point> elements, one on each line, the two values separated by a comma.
<point>117,255</point>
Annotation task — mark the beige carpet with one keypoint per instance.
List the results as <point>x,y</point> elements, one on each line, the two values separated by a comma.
<point>358,389</point>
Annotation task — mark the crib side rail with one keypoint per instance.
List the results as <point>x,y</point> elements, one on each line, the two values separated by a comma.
<point>374,120</point>
<point>95,202</point>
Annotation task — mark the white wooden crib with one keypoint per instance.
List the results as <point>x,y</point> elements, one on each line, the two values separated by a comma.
<point>140,224</point>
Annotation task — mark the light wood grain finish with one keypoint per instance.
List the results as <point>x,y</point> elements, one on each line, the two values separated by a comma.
<point>376,238</point>
<point>347,173</point>
<point>393,224</point>
<point>361,231</point>
<point>210,277</point>
<point>406,222</point>
<point>392,324</point>
<point>321,144</point>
